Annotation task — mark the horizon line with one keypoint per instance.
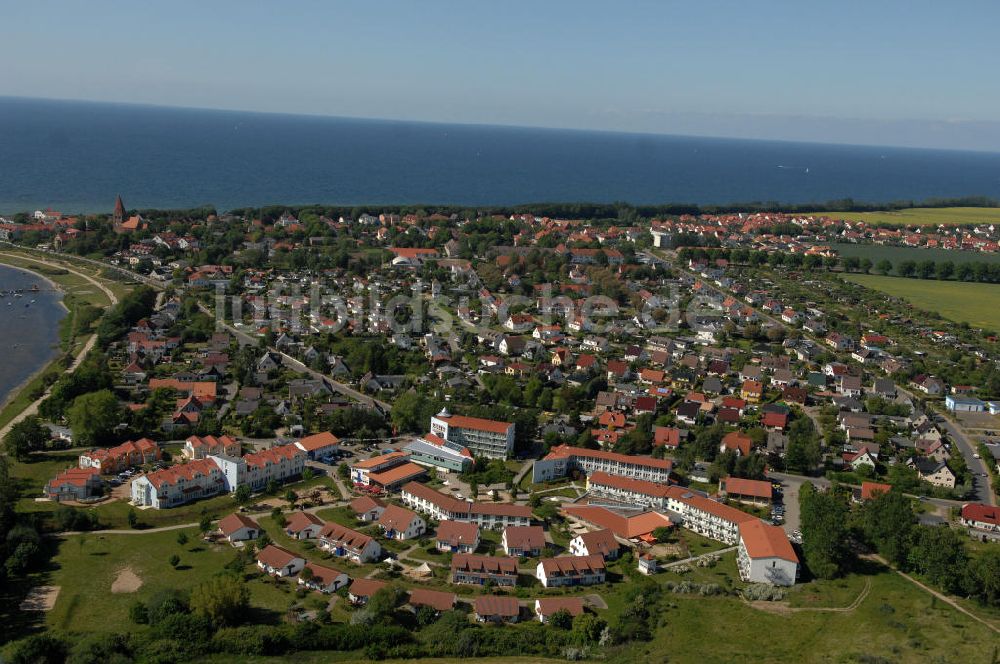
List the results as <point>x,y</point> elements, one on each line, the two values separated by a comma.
<point>492,125</point>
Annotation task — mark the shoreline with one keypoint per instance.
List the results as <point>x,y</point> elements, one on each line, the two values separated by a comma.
<point>16,391</point>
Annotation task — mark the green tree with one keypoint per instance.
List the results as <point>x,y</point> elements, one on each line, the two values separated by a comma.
<point>93,418</point>
<point>243,494</point>
<point>174,560</point>
<point>561,619</point>
<point>223,600</point>
<point>887,522</point>
<point>25,437</point>
<point>182,538</point>
<point>884,266</point>
<point>940,555</point>
<point>133,518</point>
<point>824,531</point>
<point>803,453</point>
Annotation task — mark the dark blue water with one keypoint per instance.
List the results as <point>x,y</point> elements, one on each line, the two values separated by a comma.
<point>29,335</point>
<point>76,156</point>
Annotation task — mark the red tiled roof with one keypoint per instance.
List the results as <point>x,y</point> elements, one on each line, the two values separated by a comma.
<point>563,451</point>
<point>743,487</point>
<point>437,600</point>
<point>497,605</point>
<point>765,541</point>
<point>366,587</point>
<point>871,489</point>
<point>276,556</point>
<point>546,606</point>
<point>230,524</point>
<point>625,527</point>
<point>318,441</point>
<point>982,513</point>
<point>477,424</point>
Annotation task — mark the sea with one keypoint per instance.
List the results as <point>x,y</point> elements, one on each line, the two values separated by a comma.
<point>29,327</point>
<point>76,156</point>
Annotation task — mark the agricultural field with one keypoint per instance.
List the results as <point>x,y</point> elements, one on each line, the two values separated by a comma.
<point>877,252</point>
<point>951,216</point>
<point>972,303</point>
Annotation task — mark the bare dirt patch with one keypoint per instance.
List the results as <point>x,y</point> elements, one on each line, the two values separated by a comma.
<point>42,598</point>
<point>127,581</point>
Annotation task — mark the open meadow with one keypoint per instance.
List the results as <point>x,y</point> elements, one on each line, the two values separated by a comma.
<point>972,303</point>
<point>951,216</point>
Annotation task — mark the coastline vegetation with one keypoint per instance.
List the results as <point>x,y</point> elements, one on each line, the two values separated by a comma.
<point>84,305</point>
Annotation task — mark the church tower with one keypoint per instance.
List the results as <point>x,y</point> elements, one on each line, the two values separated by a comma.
<point>119,216</point>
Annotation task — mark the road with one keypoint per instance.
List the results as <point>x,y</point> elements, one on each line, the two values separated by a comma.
<point>298,367</point>
<point>32,408</point>
<point>980,474</point>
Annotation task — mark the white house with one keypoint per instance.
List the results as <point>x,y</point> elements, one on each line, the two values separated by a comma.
<point>765,555</point>
<point>238,528</point>
<point>342,541</point>
<point>323,579</point>
<point>400,523</point>
<point>303,525</point>
<point>597,542</point>
<point>279,561</point>
<point>571,571</point>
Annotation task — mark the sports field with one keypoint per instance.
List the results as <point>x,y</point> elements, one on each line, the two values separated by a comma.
<point>958,301</point>
<point>923,216</point>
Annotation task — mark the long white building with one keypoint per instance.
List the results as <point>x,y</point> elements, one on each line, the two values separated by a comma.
<point>562,459</point>
<point>441,507</point>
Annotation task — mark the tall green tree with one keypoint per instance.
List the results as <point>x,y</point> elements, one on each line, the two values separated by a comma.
<point>25,437</point>
<point>887,522</point>
<point>824,531</point>
<point>93,418</point>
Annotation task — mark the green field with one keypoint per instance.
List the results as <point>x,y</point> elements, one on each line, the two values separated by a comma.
<point>901,623</point>
<point>877,252</point>
<point>972,303</point>
<point>923,216</point>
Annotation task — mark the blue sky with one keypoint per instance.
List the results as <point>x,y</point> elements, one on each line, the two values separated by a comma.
<point>890,72</point>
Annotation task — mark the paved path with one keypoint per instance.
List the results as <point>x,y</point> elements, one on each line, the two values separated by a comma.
<point>32,408</point>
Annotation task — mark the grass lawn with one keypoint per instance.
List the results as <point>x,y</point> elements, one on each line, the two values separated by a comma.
<point>85,567</point>
<point>923,216</point>
<point>900,623</point>
<point>972,303</point>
